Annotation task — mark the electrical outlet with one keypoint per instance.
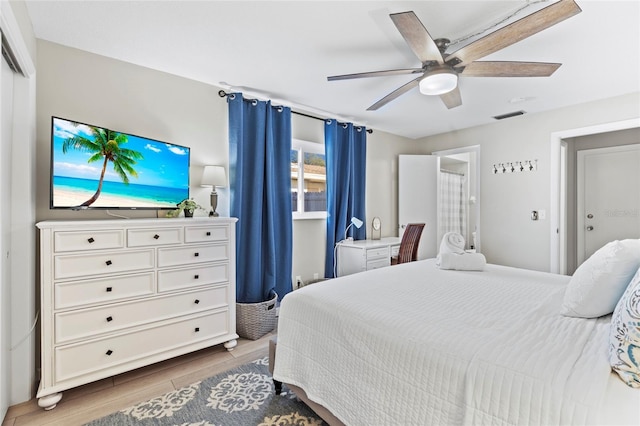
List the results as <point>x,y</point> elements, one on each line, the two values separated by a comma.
<point>542,214</point>
<point>315,275</point>
<point>298,282</point>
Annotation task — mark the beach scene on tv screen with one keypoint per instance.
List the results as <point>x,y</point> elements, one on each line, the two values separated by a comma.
<point>97,167</point>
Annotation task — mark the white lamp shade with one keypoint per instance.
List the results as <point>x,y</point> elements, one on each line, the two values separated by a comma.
<point>356,222</point>
<point>213,176</point>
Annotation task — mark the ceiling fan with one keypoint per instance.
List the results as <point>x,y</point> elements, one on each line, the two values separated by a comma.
<point>440,70</point>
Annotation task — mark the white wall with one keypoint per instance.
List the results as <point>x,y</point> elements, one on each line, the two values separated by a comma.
<point>509,237</point>
<point>97,90</point>
<point>174,109</point>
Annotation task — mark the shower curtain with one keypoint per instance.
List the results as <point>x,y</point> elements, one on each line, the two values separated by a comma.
<point>453,198</point>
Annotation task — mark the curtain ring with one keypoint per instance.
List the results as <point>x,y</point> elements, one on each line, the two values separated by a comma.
<point>231,96</point>
<point>359,129</point>
<point>345,125</point>
<point>327,121</point>
<point>279,109</point>
<point>254,102</point>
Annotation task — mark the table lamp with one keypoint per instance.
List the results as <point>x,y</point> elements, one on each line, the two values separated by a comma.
<point>354,222</point>
<point>213,176</point>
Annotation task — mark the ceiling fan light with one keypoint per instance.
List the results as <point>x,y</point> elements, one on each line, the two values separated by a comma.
<point>438,81</point>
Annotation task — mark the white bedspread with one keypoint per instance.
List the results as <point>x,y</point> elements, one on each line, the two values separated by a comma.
<point>413,345</point>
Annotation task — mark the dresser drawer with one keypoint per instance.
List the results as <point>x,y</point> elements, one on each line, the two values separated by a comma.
<point>64,241</point>
<point>192,254</point>
<point>379,263</point>
<point>79,265</point>
<point>177,279</point>
<point>202,234</point>
<point>153,237</point>
<point>79,359</point>
<point>109,289</point>
<point>87,323</point>
<point>395,250</point>
<point>376,253</point>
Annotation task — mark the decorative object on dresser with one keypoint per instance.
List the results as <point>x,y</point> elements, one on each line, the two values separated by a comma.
<point>213,176</point>
<point>121,294</point>
<point>376,226</point>
<point>188,206</point>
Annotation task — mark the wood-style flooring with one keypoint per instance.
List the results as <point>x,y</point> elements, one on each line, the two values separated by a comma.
<point>95,400</point>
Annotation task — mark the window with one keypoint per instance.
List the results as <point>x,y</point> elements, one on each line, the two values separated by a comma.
<point>308,180</point>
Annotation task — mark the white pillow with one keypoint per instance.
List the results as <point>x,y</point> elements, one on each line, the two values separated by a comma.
<point>624,337</point>
<point>598,284</point>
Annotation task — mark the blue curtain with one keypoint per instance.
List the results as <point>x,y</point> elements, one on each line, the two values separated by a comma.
<point>345,153</point>
<point>260,184</point>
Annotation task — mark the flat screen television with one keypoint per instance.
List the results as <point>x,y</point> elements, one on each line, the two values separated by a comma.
<point>97,168</point>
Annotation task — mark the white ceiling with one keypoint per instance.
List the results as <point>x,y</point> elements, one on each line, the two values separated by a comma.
<point>284,51</point>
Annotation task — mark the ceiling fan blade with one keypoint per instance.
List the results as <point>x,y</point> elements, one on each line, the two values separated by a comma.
<point>417,37</point>
<point>395,94</point>
<point>509,69</point>
<point>452,99</point>
<point>376,74</point>
<point>516,31</point>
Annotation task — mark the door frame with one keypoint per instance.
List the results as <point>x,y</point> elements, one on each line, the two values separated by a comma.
<point>20,368</point>
<point>472,149</point>
<point>558,171</point>
<point>581,193</point>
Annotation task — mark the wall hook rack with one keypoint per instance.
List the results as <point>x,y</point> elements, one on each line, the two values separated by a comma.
<point>515,167</point>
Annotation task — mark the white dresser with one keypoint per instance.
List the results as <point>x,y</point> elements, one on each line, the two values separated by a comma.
<point>121,294</point>
<point>364,255</point>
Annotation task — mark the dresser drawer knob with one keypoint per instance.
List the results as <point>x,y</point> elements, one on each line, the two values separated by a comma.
<point>109,289</point>
<point>108,262</point>
<point>208,233</point>
<point>109,352</point>
<point>196,301</point>
<point>91,240</point>
<point>109,318</point>
<point>155,237</point>
<point>196,277</point>
<point>197,329</point>
<point>197,254</point>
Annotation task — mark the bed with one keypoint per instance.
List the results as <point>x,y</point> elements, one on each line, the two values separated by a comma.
<point>415,345</point>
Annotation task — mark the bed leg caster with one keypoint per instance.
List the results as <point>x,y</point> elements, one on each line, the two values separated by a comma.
<point>272,358</point>
<point>278,386</point>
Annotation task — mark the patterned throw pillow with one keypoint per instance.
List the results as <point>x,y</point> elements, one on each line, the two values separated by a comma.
<point>624,338</point>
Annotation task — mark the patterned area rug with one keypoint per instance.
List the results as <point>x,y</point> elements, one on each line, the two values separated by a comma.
<point>243,396</point>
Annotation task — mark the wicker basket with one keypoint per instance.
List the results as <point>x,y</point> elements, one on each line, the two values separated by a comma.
<point>254,320</point>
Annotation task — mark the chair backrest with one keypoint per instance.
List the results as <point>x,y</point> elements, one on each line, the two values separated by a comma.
<point>408,251</point>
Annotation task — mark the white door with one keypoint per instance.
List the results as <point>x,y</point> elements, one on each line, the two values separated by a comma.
<point>608,199</point>
<point>418,199</point>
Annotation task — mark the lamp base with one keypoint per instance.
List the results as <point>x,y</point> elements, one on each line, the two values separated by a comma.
<point>214,204</point>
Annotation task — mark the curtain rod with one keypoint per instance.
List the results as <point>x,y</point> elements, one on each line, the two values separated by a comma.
<point>224,94</point>
<point>451,172</point>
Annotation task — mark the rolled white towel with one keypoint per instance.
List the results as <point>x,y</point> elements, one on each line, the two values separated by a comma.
<point>461,262</point>
<point>452,242</point>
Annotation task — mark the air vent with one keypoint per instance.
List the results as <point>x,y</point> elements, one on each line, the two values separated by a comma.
<point>508,115</point>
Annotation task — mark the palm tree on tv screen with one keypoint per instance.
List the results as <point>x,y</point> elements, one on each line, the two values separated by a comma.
<point>106,146</point>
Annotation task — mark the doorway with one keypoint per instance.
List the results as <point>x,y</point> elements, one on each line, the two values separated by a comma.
<point>563,210</point>
<point>461,166</point>
<point>608,197</point>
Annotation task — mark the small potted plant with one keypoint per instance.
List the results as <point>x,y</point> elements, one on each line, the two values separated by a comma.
<point>188,205</point>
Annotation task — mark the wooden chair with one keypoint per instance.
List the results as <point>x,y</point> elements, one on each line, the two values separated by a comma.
<point>408,251</point>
